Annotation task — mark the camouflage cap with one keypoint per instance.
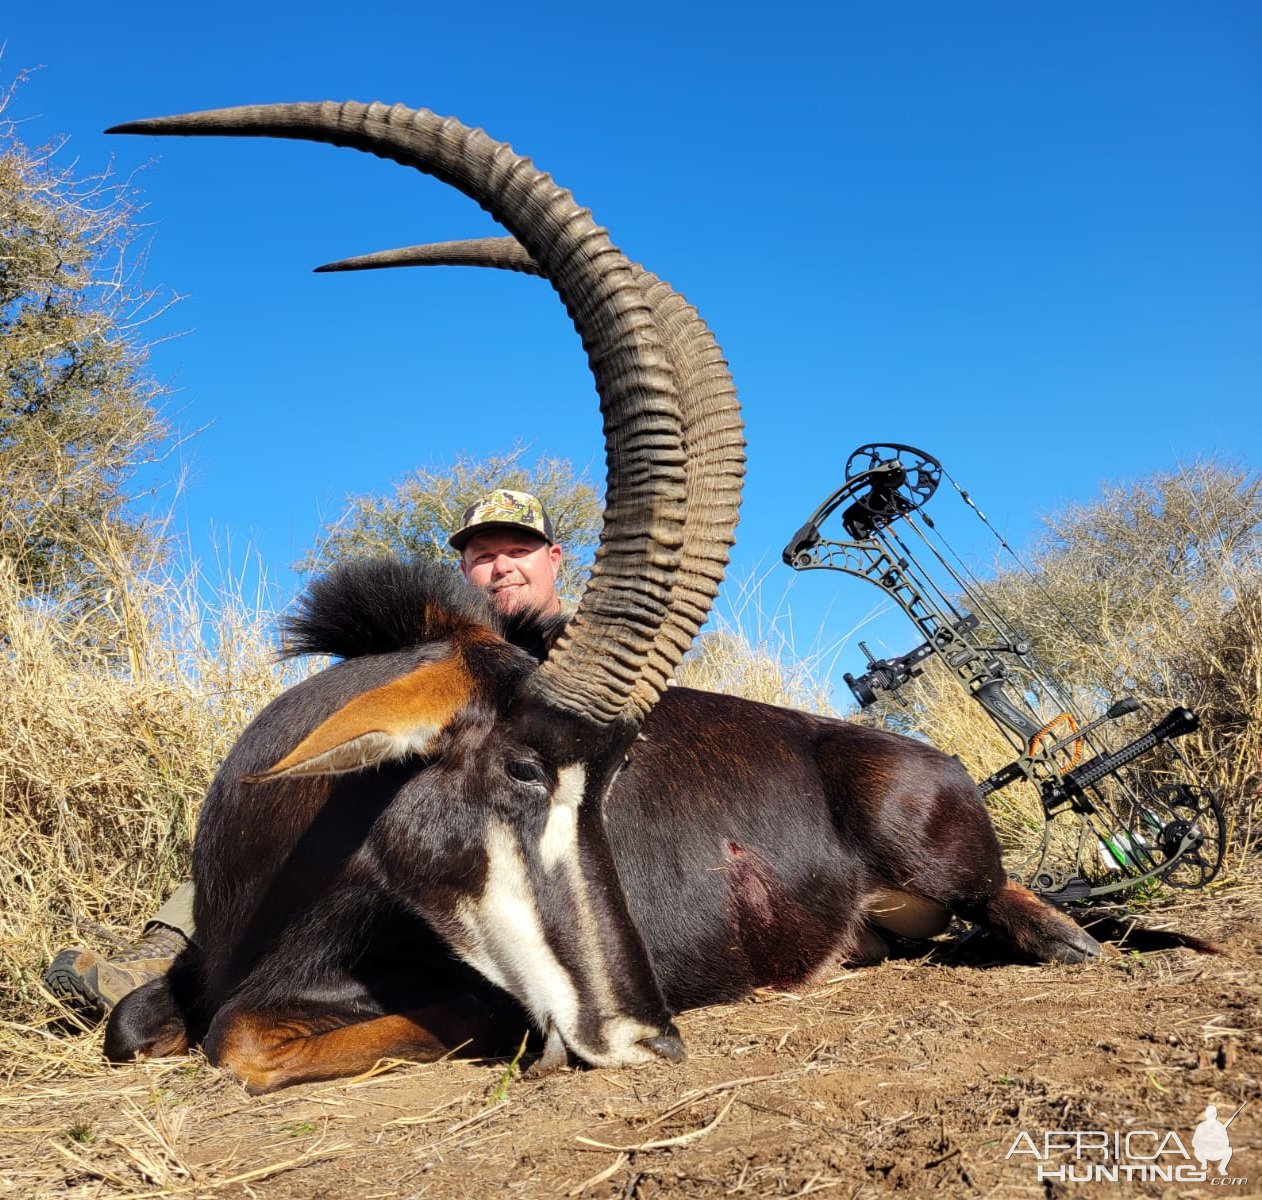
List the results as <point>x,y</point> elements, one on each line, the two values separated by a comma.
<point>502,509</point>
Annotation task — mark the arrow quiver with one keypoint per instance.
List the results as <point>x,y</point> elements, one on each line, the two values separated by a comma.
<point>1113,815</point>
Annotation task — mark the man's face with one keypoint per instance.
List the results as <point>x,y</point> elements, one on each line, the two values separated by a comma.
<point>517,570</point>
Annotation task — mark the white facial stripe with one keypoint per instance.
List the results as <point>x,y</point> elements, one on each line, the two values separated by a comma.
<point>559,838</point>
<point>506,938</point>
<point>571,783</point>
<point>560,835</point>
<point>622,1034</point>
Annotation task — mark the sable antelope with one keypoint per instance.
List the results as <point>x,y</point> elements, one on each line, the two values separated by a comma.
<point>403,849</point>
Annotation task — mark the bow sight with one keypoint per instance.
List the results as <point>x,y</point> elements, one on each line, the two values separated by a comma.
<point>1123,815</point>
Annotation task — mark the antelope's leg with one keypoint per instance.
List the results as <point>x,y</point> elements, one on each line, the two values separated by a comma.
<point>1033,928</point>
<point>147,1023</point>
<point>274,1049</point>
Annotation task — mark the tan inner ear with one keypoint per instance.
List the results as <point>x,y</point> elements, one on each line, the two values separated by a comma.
<point>401,718</point>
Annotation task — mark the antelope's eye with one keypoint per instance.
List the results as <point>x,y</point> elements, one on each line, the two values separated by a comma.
<point>525,771</point>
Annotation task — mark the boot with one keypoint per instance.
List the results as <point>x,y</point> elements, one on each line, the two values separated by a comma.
<point>91,984</point>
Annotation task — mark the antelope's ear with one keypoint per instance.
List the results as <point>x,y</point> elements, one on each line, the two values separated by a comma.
<point>398,720</point>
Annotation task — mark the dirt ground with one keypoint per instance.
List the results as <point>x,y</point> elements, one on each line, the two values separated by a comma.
<point>918,1076</point>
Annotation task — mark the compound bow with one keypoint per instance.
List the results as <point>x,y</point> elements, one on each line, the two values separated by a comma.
<point>1127,821</point>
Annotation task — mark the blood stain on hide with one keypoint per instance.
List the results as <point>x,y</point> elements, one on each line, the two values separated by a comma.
<point>780,939</point>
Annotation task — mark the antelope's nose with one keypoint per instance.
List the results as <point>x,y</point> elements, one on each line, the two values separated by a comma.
<point>666,1045</point>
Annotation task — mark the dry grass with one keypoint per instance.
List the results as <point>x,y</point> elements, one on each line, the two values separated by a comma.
<point>110,745</point>
<point>753,652</point>
<point>1161,583</point>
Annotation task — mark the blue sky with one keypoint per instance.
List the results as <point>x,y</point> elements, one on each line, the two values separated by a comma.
<point>1025,238</point>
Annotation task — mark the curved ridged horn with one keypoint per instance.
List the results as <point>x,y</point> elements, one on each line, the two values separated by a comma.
<point>506,253</point>
<point>606,666</point>
<point>712,433</point>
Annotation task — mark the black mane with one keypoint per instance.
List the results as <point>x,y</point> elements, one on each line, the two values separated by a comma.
<point>379,605</point>
<point>534,633</point>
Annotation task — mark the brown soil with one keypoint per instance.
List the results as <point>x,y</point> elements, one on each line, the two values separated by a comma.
<point>916,1076</point>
